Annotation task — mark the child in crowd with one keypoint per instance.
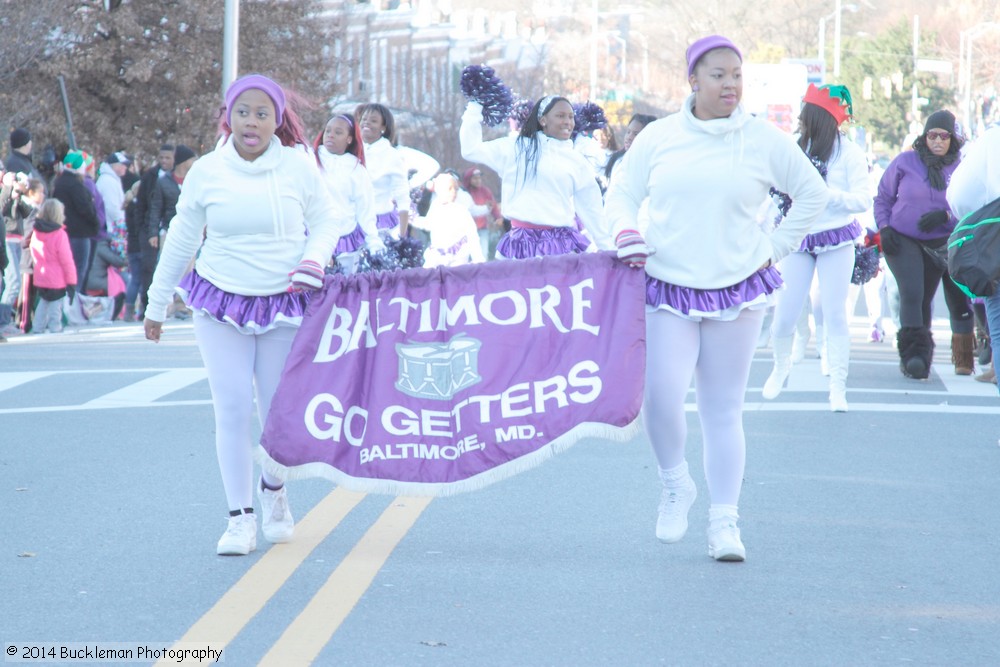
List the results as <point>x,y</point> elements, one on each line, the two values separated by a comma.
<point>454,238</point>
<point>54,270</point>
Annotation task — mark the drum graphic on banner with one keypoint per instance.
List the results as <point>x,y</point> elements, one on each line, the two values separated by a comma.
<point>438,370</point>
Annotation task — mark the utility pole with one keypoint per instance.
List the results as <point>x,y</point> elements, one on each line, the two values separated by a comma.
<point>230,43</point>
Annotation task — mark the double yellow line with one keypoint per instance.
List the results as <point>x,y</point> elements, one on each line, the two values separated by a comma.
<point>310,631</point>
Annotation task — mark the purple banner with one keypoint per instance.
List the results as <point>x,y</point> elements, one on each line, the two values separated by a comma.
<point>432,382</point>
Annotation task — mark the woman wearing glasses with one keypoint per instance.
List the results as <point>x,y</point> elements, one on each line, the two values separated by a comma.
<point>914,223</point>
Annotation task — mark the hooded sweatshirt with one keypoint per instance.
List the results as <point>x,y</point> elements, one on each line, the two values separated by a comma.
<point>351,189</point>
<point>387,171</point>
<point>50,252</point>
<point>109,184</point>
<point>705,181</point>
<point>258,219</point>
<point>563,185</point>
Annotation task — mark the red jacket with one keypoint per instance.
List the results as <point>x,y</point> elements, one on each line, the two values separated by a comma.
<point>53,259</point>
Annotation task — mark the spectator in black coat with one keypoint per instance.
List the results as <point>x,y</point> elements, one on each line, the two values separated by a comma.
<point>82,223</point>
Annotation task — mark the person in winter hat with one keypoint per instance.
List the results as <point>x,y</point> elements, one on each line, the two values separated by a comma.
<point>257,219</point>
<point>709,274</point>
<point>914,222</point>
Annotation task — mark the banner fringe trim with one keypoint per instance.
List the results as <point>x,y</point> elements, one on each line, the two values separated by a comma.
<point>442,489</point>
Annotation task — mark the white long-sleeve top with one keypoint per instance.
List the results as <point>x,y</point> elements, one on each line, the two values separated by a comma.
<point>258,220</point>
<point>563,185</point>
<point>351,189</point>
<point>389,178</point>
<point>848,185</point>
<point>976,181</point>
<point>705,181</point>
<point>450,224</point>
<point>109,184</point>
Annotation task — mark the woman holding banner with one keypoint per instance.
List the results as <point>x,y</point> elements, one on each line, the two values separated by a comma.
<point>546,183</point>
<point>262,223</point>
<point>706,171</point>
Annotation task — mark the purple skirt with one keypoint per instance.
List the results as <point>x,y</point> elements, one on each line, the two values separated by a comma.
<point>718,304</point>
<point>454,255</point>
<point>387,220</point>
<point>351,242</point>
<point>521,242</point>
<point>249,314</point>
<point>831,239</point>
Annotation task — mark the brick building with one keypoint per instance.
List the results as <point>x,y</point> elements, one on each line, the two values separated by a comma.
<point>411,57</point>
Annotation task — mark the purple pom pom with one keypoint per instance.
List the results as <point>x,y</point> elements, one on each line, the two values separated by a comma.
<point>519,112</point>
<point>865,264</point>
<point>481,84</point>
<point>588,117</point>
<point>405,253</point>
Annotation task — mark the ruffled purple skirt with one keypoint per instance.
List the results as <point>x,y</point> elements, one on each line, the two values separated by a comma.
<point>387,220</point>
<point>717,304</point>
<point>831,239</point>
<point>249,314</point>
<point>521,242</point>
<point>351,242</point>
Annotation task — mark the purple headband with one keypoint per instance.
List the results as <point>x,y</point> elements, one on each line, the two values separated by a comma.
<point>350,121</point>
<point>260,82</point>
<point>706,44</point>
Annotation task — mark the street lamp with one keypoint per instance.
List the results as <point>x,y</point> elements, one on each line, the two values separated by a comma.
<point>836,15</point>
<point>966,37</point>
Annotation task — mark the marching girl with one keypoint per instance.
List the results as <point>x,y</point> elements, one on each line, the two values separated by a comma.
<point>545,181</point>
<point>385,167</point>
<point>705,170</point>
<point>828,251</point>
<point>257,214</point>
<point>341,158</point>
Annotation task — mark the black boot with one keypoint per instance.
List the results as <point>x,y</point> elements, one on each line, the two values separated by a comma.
<point>916,349</point>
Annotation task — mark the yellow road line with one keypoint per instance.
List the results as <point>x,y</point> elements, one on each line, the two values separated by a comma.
<point>233,611</point>
<point>312,629</point>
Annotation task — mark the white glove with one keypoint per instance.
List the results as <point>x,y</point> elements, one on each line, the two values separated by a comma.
<point>374,244</point>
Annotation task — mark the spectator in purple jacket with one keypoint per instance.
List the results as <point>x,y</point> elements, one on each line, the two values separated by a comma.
<point>914,223</point>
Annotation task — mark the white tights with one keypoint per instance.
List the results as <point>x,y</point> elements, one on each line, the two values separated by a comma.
<point>718,355</point>
<point>833,269</point>
<point>238,363</point>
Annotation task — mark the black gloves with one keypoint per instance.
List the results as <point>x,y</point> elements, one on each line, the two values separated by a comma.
<point>889,240</point>
<point>71,292</point>
<point>932,220</point>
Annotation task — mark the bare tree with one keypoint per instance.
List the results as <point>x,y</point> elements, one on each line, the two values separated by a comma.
<point>140,73</point>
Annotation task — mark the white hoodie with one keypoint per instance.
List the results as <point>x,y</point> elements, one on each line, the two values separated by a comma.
<point>110,186</point>
<point>258,219</point>
<point>705,181</point>
<point>351,188</point>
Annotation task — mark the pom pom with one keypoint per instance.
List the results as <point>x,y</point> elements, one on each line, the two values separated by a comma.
<point>588,117</point>
<point>404,253</point>
<point>481,84</point>
<point>519,112</point>
<point>865,264</point>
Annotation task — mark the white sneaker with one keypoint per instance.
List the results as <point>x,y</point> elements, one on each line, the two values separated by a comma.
<point>675,503</point>
<point>724,541</point>
<point>240,537</point>
<point>276,520</point>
